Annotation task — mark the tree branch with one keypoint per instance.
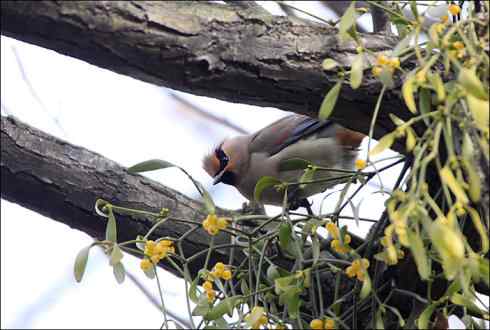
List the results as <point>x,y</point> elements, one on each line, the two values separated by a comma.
<point>63,181</point>
<point>233,53</point>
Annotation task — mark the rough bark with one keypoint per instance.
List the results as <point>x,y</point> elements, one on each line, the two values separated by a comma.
<point>229,52</point>
<point>62,181</point>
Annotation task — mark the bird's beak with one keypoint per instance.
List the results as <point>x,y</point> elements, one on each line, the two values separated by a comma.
<point>218,177</point>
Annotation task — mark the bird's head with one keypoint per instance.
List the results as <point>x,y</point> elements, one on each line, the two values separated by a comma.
<point>225,161</point>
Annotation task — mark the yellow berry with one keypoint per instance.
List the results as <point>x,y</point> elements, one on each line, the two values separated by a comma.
<point>454,9</point>
<point>329,324</point>
<point>360,164</point>
<point>395,62</point>
<point>219,266</point>
<point>155,258</point>
<point>347,239</point>
<point>211,294</point>
<point>226,275</point>
<point>263,320</point>
<point>150,247</point>
<point>444,18</point>
<point>458,45</point>
<point>316,324</point>
<point>222,223</point>
<point>166,242</point>
<point>333,230</point>
<point>382,59</point>
<point>145,264</point>
<point>207,285</point>
<point>376,71</point>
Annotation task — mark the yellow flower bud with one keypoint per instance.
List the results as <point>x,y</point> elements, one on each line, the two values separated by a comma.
<point>458,45</point>
<point>333,230</point>
<point>329,324</point>
<point>376,71</point>
<point>382,59</point>
<point>444,18</point>
<point>454,9</point>
<point>219,266</point>
<point>145,264</point>
<point>226,275</point>
<point>360,164</point>
<point>395,62</point>
<point>207,285</point>
<point>155,258</point>
<point>211,295</point>
<point>316,324</point>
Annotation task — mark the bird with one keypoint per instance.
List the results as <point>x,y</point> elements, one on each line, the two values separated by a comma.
<point>242,160</point>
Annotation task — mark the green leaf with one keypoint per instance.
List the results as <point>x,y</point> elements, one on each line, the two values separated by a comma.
<point>254,315</point>
<point>225,306</point>
<point>384,143</point>
<point>438,85</point>
<point>402,45</point>
<point>111,230</point>
<point>119,272</point>
<point>81,263</point>
<point>329,64</point>
<point>356,71</point>
<point>419,253</point>
<point>244,287</point>
<point>283,283</point>
<point>484,270</point>
<point>221,323</point>
<point>448,178</point>
<point>424,318</point>
<point>347,21</point>
<point>307,176</point>
<point>407,92</point>
<point>202,308</point>
<point>193,290</point>
<point>366,286</point>
<point>292,300</point>
<point>150,165</point>
<point>397,121</point>
<point>293,164</point>
<point>263,183</point>
<point>459,299</point>
<point>411,139</point>
<point>329,101</point>
<point>206,197</point>
<point>116,255</point>
<point>479,110</point>
<point>472,84</point>
<point>284,235</point>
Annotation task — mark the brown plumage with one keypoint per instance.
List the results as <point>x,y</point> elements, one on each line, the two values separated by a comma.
<point>241,161</point>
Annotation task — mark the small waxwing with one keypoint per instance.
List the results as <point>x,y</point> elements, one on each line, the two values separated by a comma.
<point>241,161</point>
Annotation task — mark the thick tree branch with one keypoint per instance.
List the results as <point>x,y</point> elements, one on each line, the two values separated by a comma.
<point>228,52</point>
<point>63,181</point>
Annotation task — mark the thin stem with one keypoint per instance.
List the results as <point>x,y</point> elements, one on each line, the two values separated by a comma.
<point>375,116</point>
<point>165,321</point>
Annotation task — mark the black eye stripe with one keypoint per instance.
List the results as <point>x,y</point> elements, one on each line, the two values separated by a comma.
<point>222,157</point>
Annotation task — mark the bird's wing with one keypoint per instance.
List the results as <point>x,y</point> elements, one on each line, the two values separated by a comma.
<point>288,130</point>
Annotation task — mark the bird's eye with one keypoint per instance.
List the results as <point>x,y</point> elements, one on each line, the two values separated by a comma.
<point>222,157</point>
